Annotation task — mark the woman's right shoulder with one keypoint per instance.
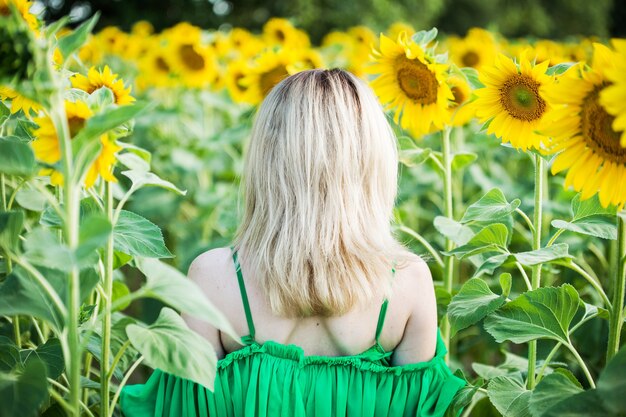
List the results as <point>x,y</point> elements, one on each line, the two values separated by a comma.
<point>209,268</point>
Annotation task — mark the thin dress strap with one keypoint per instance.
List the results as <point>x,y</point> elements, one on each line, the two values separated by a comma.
<point>244,297</point>
<point>383,310</point>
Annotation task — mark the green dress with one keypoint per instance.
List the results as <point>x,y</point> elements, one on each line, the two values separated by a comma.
<point>276,380</point>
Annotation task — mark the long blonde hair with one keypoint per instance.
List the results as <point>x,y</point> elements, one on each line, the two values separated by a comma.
<point>320,181</point>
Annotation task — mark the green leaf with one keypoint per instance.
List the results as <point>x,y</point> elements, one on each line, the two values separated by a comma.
<point>584,404</point>
<point>170,286</point>
<point>414,157</point>
<point>491,207</point>
<point>462,159</point>
<point>94,232</point>
<point>168,344</point>
<point>133,161</point>
<point>16,158</point>
<point>491,238</point>
<point>590,218</point>
<point>559,69</point>
<point>43,247</point>
<point>471,75</point>
<point>472,303</point>
<point>70,43</point>
<point>30,199</point>
<point>509,395</point>
<point>120,290</point>
<point>553,388</point>
<point>491,263</point>
<point>543,255</point>
<point>107,120</point>
<point>21,394</point>
<point>612,384</point>
<point>541,313</point>
<point>424,37</point>
<point>9,355</point>
<point>407,142</point>
<point>602,226</point>
<point>49,353</point>
<point>137,236</point>
<point>453,230</point>
<point>11,223</point>
<point>506,282</point>
<point>141,178</point>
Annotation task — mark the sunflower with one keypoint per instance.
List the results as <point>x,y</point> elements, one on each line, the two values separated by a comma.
<point>412,84</point>
<point>270,68</point>
<point>398,27</point>
<point>112,40</point>
<point>582,134</point>
<point>476,50</point>
<point>96,79</point>
<point>18,101</point>
<point>279,31</point>
<point>194,62</point>
<point>23,7</point>
<point>155,69</point>
<point>613,97</point>
<point>461,112</point>
<point>47,148</point>
<point>235,73</point>
<point>511,101</point>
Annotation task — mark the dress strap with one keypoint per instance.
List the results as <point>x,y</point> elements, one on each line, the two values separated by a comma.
<point>244,297</point>
<point>383,309</point>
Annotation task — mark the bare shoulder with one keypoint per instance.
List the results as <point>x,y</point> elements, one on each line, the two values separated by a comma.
<point>417,292</point>
<point>209,269</point>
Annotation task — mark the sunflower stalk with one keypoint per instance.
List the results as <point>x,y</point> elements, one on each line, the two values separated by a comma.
<point>71,197</point>
<point>106,303</point>
<point>535,280</point>
<point>619,276</point>
<point>448,209</point>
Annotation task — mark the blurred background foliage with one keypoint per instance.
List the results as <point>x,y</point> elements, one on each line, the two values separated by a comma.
<point>555,19</point>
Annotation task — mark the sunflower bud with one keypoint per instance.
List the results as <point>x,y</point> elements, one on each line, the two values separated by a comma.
<point>17,60</point>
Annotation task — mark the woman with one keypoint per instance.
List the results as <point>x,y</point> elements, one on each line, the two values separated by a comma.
<point>338,318</point>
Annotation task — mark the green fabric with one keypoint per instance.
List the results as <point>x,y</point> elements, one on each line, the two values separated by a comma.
<point>277,380</point>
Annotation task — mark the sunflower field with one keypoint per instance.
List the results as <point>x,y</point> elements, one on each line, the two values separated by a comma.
<point>120,160</point>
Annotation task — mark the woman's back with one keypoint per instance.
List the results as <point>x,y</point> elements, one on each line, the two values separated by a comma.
<point>409,328</point>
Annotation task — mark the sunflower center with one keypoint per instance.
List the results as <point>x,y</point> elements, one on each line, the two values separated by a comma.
<point>470,59</point>
<point>597,130</point>
<point>272,77</point>
<point>416,80</point>
<point>459,96</point>
<point>75,124</point>
<point>520,98</point>
<point>161,64</point>
<point>4,10</point>
<point>192,59</point>
<point>238,78</point>
<point>280,35</point>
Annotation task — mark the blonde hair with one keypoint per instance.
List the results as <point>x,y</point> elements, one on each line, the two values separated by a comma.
<point>320,181</point>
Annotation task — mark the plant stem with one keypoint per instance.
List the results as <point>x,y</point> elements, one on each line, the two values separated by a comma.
<point>71,196</point>
<point>619,276</point>
<point>555,237</point>
<point>122,384</point>
<point>526,219</point>
<point>582,364</point>
<point>575,267</point>
<point>448,211</point>
<point>424,243</point>
<point>106,302</point>
<point>536,269</point>
<point>524,275</point>
<point>9,267</point>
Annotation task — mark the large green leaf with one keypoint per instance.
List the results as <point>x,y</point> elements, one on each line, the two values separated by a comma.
<point>553,388</point>
<point>612,384</point>
<point>590,218</point>
<point>509,395</point>
<point>491,207</point>
<point>453,230</point>
<point>462,159</point>
<point>9,354</point>
<point>491,263</point>
<point>541,313</point>
<point>44,247</point>
<point>70,43</point>
<point>169,285</point>
<point>11,223</point>
<point>94,233</point>
<point>414,157</point>
<point>584,404</point>
<point>137,236</point>
<point>16,158</point>
<point>473,302</point>
<point>141,178</point>
<point>107,120</point>
<point>168,344</point>
<point>490,239</point>
<point>543,255</point>
<point>22,393</point>
<point>49,353</point>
